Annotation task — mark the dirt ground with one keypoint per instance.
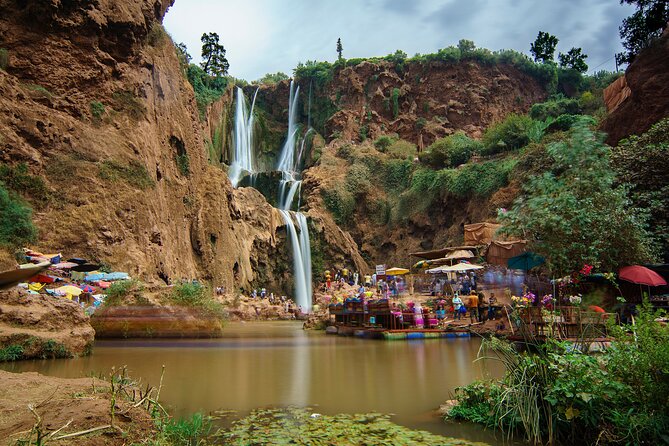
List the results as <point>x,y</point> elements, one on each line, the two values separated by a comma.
<point>83,402</point>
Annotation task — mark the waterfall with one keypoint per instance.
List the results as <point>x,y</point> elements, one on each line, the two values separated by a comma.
<point>243,139</point>
<point>289,188</point>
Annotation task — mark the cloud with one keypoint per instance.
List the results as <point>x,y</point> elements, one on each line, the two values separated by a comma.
<point>263,36</point>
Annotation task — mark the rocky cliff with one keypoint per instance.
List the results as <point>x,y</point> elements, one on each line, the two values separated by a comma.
<point>642,98</point>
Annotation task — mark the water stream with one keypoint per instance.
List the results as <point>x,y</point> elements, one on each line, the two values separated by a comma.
<point>243,159</point>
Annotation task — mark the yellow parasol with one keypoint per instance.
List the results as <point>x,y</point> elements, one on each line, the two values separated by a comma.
<point>396,271</point>
<point>69,289</point>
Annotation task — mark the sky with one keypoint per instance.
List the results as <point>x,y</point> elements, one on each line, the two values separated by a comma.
<point>266,36</point>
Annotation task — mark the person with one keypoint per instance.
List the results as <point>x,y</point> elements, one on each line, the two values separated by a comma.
<point>473,307</point>
<point>356,277</point>
<point>254,294</point>
<point>368,280</point>
<point>481,306</point>
<point>457,304</point>
<point>263,293</point>
<point>492,301</point>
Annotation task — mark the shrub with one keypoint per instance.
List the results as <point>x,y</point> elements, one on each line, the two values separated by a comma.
<point>395,101</point>
<point>134,173</point>
<point>396,174</point>
<point>401,149</point>
<point>157,35</point>
<point>206,88</point>
<point>507,135</point>
<point>120,291</point>
<point>554,107</point>
<point>450,151</point>
<point>19,180</point>
<point>273,78</point>
<point>97,110</point>
<point>16,225</point>
<point>481,179</point>
<point>565,122</point>
<point>192,294</point>
<point>52,349</point>
<point>12,352</point>
<point>340,202</point>
<point>4,59</point>
<point>183,164</point>
<point>384,141</point>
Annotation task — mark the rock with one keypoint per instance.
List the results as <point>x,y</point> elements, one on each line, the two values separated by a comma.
<point>43,326</point>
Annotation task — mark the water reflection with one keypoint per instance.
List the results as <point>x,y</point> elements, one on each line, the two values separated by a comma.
<point>278,364</point>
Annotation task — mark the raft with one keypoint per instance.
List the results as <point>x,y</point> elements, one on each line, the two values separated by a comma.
<point>410,335</point>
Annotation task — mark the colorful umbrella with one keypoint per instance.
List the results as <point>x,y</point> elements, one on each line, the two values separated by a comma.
<point>87,289</point>
<point>396,271</point>
<point>641,275</point>
<point>596,309</point>
<point>69,289</point>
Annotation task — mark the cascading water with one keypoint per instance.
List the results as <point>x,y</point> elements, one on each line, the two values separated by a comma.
<point>289,187</point>
<point>243,139</point>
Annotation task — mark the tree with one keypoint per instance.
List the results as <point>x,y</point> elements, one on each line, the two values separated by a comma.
<point>182,53</point>
<point>466,46</point>
<point>543,48</point>
<point>574,59</point>
<point>639,30</point>
<point>574,214</point>
<point>213,62</point>
<point>340,49</point>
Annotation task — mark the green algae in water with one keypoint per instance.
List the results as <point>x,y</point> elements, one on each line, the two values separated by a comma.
<point>300,427</point>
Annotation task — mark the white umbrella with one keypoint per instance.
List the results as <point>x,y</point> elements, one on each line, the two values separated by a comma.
<point>458,267</point>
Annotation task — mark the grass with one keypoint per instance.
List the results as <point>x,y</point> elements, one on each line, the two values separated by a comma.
<point>135,174</point>
<point>97,110</point>
<point>197,296</point>
<point>18,179</point>
<point>125,101</point>
<point>121,291</point>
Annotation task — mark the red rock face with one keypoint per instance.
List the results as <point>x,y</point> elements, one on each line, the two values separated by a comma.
<point>648,99</point>
<point>616,93</point>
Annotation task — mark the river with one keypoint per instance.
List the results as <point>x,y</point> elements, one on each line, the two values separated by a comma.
<point>265,364</point>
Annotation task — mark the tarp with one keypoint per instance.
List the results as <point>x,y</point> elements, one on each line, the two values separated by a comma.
<point>69,289</point>
<point>500,252</point>
<point>440,253</point>
<point>460,254</point>
<point>64,265</point>
<point>525,261</point>
<point>106,277</point>
<point>480,233</point>
<point>458,267</point>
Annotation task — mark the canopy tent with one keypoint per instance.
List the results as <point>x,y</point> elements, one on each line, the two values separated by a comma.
<point>525,261</point>
<point>460,254</point>
<point>396,271</point>
<point>458,267</point>
<point>480,233</point>
<point>499,252</point>
<point>10,278</point>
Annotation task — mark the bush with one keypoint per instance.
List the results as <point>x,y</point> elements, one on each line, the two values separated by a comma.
<point>273,78</point>
<point>554,107</point>
<point>4,59</point>
<point>12,352</point>
<point>510,134</point>
<point>384,141</point>
<point>340,202</point>
<point>120,291</point>
<point>157,35</point>
<point>126,102</point>
<point>450,151</point>
<point>564,123</point>
<point>396,175</point>
<point>97,110</point>
<point>19,180</point>
<point>479,179</point>
<point>401,149</point>
<point>16,225</point>
<point>183,164</point>
<point>192,294</point>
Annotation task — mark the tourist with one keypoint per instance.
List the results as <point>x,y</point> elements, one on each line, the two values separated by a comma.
<point>356,277</point>
<point>492,301</point>
<point>457,305</point>
<point>254,294</point>
<point>263,293</point>
<point>473,304</point>
<point>368,280</point>
<point>481,306</point>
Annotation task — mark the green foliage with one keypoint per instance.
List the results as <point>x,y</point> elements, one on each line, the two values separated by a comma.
<point>450,151</point>
<point>18,179</point>
<point>97,110</point>
<point>642,162</point>
<point>574,59</point>
<point>566,122</point>
<point>340,49</point>
<point>401,149</point>
<point>543,48</point>
<point>4,59</point>
<point>121,291</point>
<point>206,88</point>
<point>340,202</point>
<point>297,426</point>
<point>192,431</point>
<point>384,141</point>
<point>213,62</point>
<point>574,214</point>
<point>273,78</point>
<point>394,97</point>
<point>554,107</point>
<point>466,47</point>
<point>12,352</point>
<point>510,134</point>
<point>16,225</point>
<point>396,175</point>
<point>135,174</point>
<point>126,102</point>
<point>480,179</point>
<point>562,396</point>
<point>642,28</point>
<point>52,349</point>
<point>319,72</point>
<point>183,164</point>
<point>183,56</point>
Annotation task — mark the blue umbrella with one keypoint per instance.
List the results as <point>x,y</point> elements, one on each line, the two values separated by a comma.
<point>525,261</point>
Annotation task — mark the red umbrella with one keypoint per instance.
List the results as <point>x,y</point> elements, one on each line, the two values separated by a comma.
<point>641,275</point>
<point>596,309</point>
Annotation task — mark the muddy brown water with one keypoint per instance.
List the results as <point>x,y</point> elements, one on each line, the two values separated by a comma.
<point>276,364</point>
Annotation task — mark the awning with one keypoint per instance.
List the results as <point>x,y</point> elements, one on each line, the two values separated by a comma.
<point>458,267</point>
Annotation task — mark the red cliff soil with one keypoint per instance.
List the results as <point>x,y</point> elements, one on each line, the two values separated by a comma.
<point>32,321</point>
<point>84,401</point>
<point>647,102</point>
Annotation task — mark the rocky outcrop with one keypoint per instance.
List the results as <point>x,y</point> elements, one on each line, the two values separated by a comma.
<point>647,102</point>
<point>33,326</point>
